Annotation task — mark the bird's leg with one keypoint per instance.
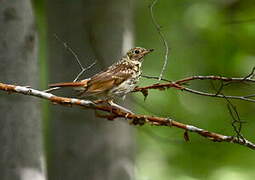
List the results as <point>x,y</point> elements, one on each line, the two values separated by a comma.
<point>51,89</point>
<point>110,102</point>
<point>99,101</point>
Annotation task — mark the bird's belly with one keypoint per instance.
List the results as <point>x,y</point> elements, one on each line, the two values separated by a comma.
<point>124,88</point>
<point>79,88</point>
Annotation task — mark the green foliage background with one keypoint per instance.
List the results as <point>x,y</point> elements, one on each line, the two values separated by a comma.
<point>206,37</point>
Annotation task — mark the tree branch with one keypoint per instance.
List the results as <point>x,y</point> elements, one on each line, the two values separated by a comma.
<point>114,112</point>
<point>180,85</point>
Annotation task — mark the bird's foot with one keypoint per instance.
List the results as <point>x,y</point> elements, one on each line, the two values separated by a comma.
<point>110,102</point>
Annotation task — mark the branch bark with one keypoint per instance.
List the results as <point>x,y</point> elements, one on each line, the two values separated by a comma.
<point>115,112</point>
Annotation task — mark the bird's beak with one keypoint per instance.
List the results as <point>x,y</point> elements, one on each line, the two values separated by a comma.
<point>148,51</point>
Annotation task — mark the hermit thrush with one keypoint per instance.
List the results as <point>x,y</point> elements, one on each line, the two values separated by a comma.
<point>116,81</point>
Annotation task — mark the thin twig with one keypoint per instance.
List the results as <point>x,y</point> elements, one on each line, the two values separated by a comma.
<point>235,119</point>
<point>155,77</point>
<point>51,89</point>
<point>158,29</point>
<point>226,79</point>
<point>77,60</point>
<point>83,69</point>
<point>243,98</point>
<point>115,112</point>
<point>232,110</point>
<point>251,75</point>
<point>212,77</point>
<point>249,96</point>
<point>70,50</point>
<point>179,84</point>
<point>176,86</point>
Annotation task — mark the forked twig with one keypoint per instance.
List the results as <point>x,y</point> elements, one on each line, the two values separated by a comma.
<point>83,69</point>
<point>236,120</point>
<point>181,85</point>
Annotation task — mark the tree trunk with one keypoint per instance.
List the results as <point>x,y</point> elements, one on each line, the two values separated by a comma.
<point>81,145</point>
<point>21,153</point>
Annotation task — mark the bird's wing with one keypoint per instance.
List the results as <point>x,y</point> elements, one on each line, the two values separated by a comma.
<point>108,79</point>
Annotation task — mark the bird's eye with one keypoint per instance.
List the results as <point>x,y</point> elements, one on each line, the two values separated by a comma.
<point>137,51</point>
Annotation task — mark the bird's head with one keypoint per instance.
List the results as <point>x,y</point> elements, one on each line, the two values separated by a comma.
<point>137,53</point>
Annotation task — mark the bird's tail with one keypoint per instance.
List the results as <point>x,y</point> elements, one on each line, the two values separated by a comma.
<point>70,84</point>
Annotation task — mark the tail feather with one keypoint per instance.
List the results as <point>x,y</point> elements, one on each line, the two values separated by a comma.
<point>70,84</point>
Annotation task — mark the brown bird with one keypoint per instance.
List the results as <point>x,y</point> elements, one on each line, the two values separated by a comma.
<point>116,81</point>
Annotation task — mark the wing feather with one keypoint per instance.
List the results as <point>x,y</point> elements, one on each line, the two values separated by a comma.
<point>106,80</point>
